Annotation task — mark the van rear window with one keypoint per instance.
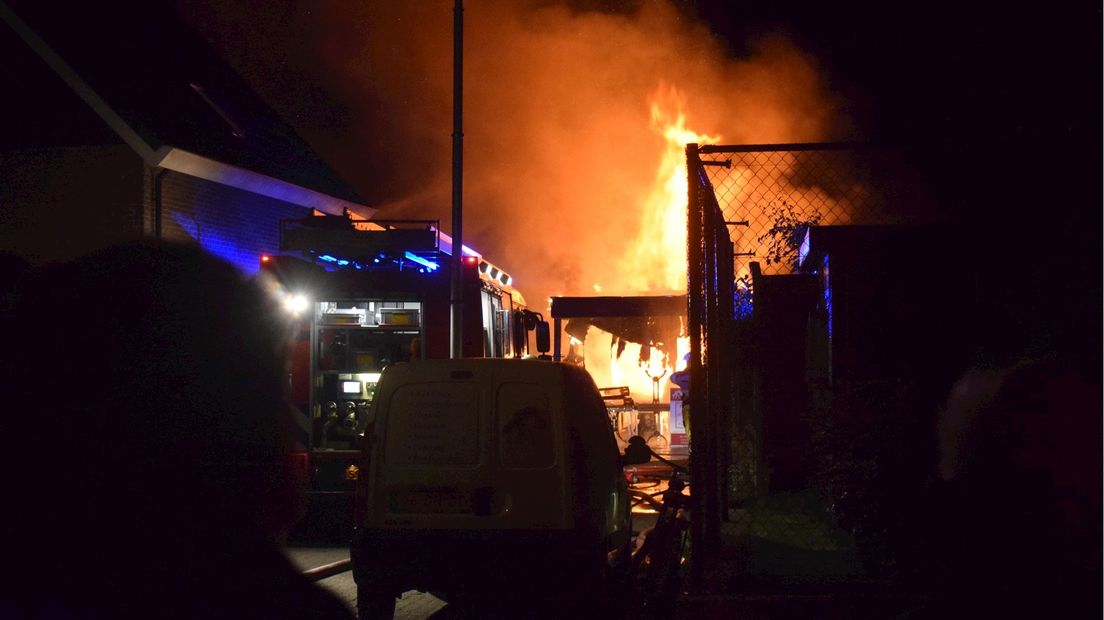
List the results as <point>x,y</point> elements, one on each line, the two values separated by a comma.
<point>525,432</point>
<point>433,424</point>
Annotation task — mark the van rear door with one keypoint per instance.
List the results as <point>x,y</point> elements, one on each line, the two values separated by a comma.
<point>469,444</point>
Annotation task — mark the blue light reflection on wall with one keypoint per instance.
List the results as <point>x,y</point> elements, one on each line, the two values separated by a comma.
<point>234,225</point>
<point>221,243</point>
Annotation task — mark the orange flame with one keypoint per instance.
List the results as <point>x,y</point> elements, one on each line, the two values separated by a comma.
<point>628,370</point>
<point>655,261</point>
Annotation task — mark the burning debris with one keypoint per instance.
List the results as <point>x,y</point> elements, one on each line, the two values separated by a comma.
<point>634,342</point>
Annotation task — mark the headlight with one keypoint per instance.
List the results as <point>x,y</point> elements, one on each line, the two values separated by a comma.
<point>296,304</point>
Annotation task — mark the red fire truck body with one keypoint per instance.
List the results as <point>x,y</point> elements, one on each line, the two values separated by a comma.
<point>370,294</point>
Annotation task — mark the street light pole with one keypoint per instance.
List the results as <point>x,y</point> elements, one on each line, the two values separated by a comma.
<point>457,302</point>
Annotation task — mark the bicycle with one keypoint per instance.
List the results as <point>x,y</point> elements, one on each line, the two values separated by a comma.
<point>656,566</point>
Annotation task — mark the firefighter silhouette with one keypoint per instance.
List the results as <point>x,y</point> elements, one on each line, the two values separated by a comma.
<point>647,427</point>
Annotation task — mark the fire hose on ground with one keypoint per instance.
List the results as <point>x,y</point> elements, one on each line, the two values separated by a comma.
<point>319,573</point>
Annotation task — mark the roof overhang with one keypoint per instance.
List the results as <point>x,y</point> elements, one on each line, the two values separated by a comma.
<point>653,320</point>
<point>642,306</point>
<point>186,162</point>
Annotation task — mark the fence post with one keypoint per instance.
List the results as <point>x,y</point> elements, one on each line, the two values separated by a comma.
<point>699,430</point>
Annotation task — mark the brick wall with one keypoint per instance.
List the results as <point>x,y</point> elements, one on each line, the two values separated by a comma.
<point>233,224</point>
<point>59,203</point>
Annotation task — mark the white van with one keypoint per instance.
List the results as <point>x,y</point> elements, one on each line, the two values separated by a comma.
<point>485,477</point>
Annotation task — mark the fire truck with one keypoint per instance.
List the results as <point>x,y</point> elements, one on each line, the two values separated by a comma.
<point>366,294</point>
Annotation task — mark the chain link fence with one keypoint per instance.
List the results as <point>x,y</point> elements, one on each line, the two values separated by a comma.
<point>710,298</point>
<point>749,207</point>
<point>763,191</point>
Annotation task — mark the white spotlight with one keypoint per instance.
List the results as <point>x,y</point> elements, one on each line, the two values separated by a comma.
<point>296,304</point>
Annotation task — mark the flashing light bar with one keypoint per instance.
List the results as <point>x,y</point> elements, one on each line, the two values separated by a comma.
<point>341,262</point>
<point>470,257</point>
<point>446,246</point>
<point>428,264</point>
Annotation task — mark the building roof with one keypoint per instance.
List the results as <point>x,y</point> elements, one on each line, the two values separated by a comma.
<point>626,306</point>
<point>643,319</point>
<point>173,100</point>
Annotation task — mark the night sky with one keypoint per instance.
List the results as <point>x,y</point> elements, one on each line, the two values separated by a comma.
<point>989,86</point>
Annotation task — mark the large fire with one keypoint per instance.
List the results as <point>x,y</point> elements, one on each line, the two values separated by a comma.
<point>655,262</point>
<point>563,182</point>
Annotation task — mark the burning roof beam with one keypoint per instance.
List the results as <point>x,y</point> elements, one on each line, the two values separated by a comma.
<point>647,320</point>
<point>609,306</point>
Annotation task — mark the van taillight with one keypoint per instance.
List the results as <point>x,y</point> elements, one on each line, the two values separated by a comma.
<point>301,461</point>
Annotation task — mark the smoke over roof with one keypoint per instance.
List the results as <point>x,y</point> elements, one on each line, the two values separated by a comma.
<point>560,147</point>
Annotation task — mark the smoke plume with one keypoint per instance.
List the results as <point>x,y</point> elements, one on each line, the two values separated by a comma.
<point>561,152</point>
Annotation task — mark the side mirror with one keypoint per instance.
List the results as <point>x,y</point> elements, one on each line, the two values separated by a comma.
<point>637,451</point>
<point>543,339</point>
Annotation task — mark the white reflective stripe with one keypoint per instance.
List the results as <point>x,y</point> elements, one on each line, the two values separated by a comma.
<point>303,428</point>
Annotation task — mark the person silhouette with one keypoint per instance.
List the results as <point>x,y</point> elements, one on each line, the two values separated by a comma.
<point>149,469</point>
<point>648,428</point>
<point>1020,496</point>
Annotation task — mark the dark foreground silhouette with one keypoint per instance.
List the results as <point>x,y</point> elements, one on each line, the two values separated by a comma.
<point>147,468</point>
<point>1020,465</point>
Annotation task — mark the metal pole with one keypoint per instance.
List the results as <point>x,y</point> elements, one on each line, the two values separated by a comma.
<point>557,338</point>
<point>695,400</point>
<point>710,516</point>
<point>457,302</point>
